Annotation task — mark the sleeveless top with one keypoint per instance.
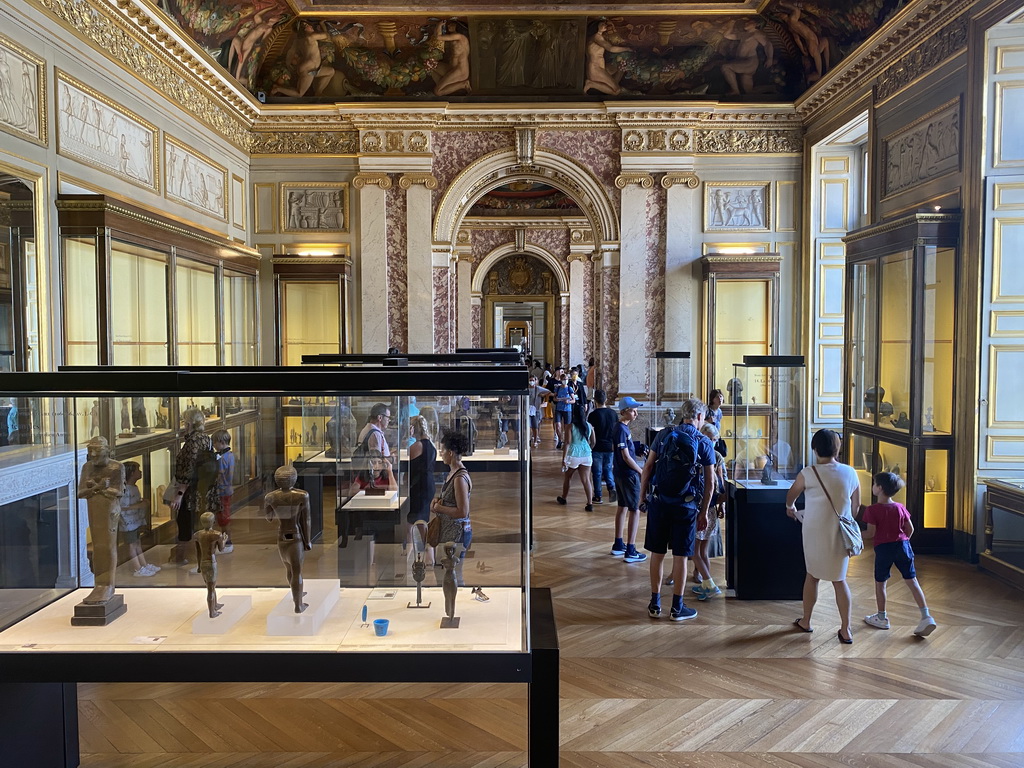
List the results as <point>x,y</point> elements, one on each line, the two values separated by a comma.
<point>452,527</point>
<point>421,477</point>
<point>579,445</point>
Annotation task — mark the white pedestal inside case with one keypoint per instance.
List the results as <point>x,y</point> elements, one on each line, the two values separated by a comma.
<point>234,608</point>
<point>321,596</point>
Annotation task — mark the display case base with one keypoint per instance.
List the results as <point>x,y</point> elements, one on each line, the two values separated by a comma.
<point>447,623</point>
<point>233,609</point>
<point>99,615</point>
<point>321,596</point>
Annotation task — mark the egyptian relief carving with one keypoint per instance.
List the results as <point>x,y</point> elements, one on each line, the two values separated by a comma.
<point>194,180</point>
<point>736,207</point>
<point>926,150</point>
<point>22,100</point>
<point>311,208</point>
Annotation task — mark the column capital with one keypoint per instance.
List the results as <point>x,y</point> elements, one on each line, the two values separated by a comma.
<point>644,180</point>
<point>406,180</point>
<point>381,180</point>
<point>689,180</point>
<point>578,256</point>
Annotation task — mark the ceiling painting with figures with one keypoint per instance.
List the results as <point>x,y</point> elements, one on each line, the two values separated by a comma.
<point>493,51</point>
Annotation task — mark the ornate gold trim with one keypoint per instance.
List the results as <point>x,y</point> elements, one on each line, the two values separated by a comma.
<point>644,180</point>
<point>745,259</point>
<point>381,180</point>
<point>41,112</point>
<point>576,256</point>
<point>689,180</point>
<point>292,142</point>
<point>407,180</point>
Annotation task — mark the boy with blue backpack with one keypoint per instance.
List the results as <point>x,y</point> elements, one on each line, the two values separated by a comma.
<point>679,469</point>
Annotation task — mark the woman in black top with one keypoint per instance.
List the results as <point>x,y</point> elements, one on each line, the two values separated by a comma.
<point>422,458</point>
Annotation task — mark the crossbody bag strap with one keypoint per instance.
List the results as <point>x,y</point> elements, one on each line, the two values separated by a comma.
<point>827,496</point>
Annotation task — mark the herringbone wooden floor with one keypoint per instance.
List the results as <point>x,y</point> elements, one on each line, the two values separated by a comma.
<point>734,687</point>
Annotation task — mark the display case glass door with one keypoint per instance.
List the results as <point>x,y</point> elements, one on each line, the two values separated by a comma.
<point>936,413</point>
<point>138,304</point>
<point>196,289</point>
<point>310,319</point>
<point>81,292</point>
<point>894,366</point>
<point>239,318</point>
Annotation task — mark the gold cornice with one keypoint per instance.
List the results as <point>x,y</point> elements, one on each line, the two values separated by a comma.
<point>889,45</point>
<point>644,180</point>
<point>332,260</point>
<point>689,180</point>
<point>746,259</point>
<point>407,180</point>
<point>381,180</point>
<point>918,218</point>
<point>106,205</point>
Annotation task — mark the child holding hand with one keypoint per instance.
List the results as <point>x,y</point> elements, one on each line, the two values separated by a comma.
<point>890,526</point>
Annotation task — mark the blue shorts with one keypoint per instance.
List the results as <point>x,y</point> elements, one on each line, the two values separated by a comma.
<point>670,525</point>
<point>627,487</point>
<point>892,553</point>
<point>563,417</point>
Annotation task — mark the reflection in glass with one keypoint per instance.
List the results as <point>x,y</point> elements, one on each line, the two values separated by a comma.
<point>895,358</point>
<point>893,458</point>
<point>938,311</point>
<point>239,318</point>
<point>864,400</point>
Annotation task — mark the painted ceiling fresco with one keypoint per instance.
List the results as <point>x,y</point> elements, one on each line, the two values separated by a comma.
<point>525,197</point>
<point>771,56</point>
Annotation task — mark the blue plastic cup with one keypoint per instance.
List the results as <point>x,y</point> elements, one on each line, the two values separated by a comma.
<point>380,627</point>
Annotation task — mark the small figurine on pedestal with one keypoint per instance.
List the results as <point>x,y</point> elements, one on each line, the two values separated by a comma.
<point>929,425</point>
<point>419,572</point>
<point>291,507</point>
<point>449,587</point>
<point>139,416</point>
<point>208,543</point>
<point>94,418</point>
<point>903,422</point>
<point>126,424</point>
<point>766,473</point>
<point>101,485</point>
<point>735,389</point>
<point>331,436</point>
<point>668,418</point>
<point>312,431</point>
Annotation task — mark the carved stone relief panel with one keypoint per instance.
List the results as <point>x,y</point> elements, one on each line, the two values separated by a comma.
<point>194,180</point>
<point>314,207</point>
<point>737,206</point>
<point>926,149</point>
<point>22,92</point>
<point>97,132</point>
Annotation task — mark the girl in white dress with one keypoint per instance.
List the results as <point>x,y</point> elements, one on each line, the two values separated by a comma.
<point>825,556</point>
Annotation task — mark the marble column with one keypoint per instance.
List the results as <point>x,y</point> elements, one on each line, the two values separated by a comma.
<point>463,292</point>
<point>633,288</point>
<point>373,279</point>
<point>443,290</point>
<point>419,270</point>
<point>682,250</point>
<point>579,313</point>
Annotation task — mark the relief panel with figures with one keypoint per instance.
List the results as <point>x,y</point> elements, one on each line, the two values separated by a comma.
<point>22,92</point>
<point>105,135</point>
<point>194,180</point>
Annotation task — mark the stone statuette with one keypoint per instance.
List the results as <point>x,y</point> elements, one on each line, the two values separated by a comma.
<point>290,506</point>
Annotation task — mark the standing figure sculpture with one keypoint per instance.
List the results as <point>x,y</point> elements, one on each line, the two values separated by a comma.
<point>102,485</point>
<point>290,505</point>
<point>140,420</point>
<point>208,543</point>
<point>449,587</point>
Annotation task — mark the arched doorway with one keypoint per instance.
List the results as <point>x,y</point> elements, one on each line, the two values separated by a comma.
<point>520,302</point>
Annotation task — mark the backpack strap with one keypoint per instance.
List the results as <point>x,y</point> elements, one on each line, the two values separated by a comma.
<point>827,496</point>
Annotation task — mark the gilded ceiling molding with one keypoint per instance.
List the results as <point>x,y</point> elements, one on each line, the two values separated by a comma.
<point>407,180</point>
<point>688,180</point>
<point>887,48</point>
<point>948,42</point>
<point>644,180</point>
<point>381,180</point>
<point>291,142</point>
<point>141,51</point>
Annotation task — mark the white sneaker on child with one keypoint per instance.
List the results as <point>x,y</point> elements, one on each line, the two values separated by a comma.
<point>143,572</point>
<point>925,627</point>
<point>876,621</point>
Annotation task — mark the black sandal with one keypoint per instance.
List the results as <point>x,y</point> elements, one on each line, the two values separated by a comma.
<point>801,627</point>
<point>843,640</point>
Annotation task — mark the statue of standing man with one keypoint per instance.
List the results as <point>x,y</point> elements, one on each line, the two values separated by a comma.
<point>290,506</point>
<point>102,485</point>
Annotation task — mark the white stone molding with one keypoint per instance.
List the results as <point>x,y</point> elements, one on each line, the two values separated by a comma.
<point>419,263</point>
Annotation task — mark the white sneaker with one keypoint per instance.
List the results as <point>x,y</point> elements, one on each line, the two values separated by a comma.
<point>194,571</point>
<point>228,549</point>
<point>155,568</point>
<point>150,569</point>
<point>876,621</point>
<point>925,627</point>
<point>142,572</point>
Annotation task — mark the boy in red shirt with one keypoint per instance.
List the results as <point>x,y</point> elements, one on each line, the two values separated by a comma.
<point>889,525</point>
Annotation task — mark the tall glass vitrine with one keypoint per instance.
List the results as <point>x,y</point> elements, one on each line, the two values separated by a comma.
<point>899,406</point>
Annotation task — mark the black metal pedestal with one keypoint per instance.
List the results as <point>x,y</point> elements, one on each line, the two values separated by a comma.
<point>764,556</point>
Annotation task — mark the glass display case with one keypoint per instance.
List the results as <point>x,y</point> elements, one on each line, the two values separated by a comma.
<point>281,604</point>
<point>901,294</point>
<point>669,377</point>
<point>741,313</point>
<point>313,304</point>
<point>134,281</point>
<point>1004,530</point>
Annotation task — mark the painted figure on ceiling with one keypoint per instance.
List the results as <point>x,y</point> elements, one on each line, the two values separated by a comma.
<point>248,36</point>
<point>457,77</point>
<point>739,71</point>
<point>599,78</point>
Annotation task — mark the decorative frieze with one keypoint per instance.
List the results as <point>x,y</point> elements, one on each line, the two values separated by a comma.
<point>304,143</point>
<point>924,150</point>
<point>935,49</point>
<point>394,142</point>
<point>736,142</point>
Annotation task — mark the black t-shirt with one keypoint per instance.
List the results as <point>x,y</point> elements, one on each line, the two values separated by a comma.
<point>604,421</point>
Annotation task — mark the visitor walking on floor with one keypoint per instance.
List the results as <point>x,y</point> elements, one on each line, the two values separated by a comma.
<point>576,456</point>
<point>605,422</point>
<point>890,526</point>
<point>831,489</point>
<point>627,484</point>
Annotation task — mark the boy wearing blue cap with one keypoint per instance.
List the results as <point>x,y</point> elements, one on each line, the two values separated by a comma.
<point>627,483</point>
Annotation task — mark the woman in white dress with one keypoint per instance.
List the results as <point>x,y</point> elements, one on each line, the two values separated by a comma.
<point>825,556</point>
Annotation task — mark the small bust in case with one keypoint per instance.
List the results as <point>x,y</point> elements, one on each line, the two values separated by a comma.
<point>735,390</point>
